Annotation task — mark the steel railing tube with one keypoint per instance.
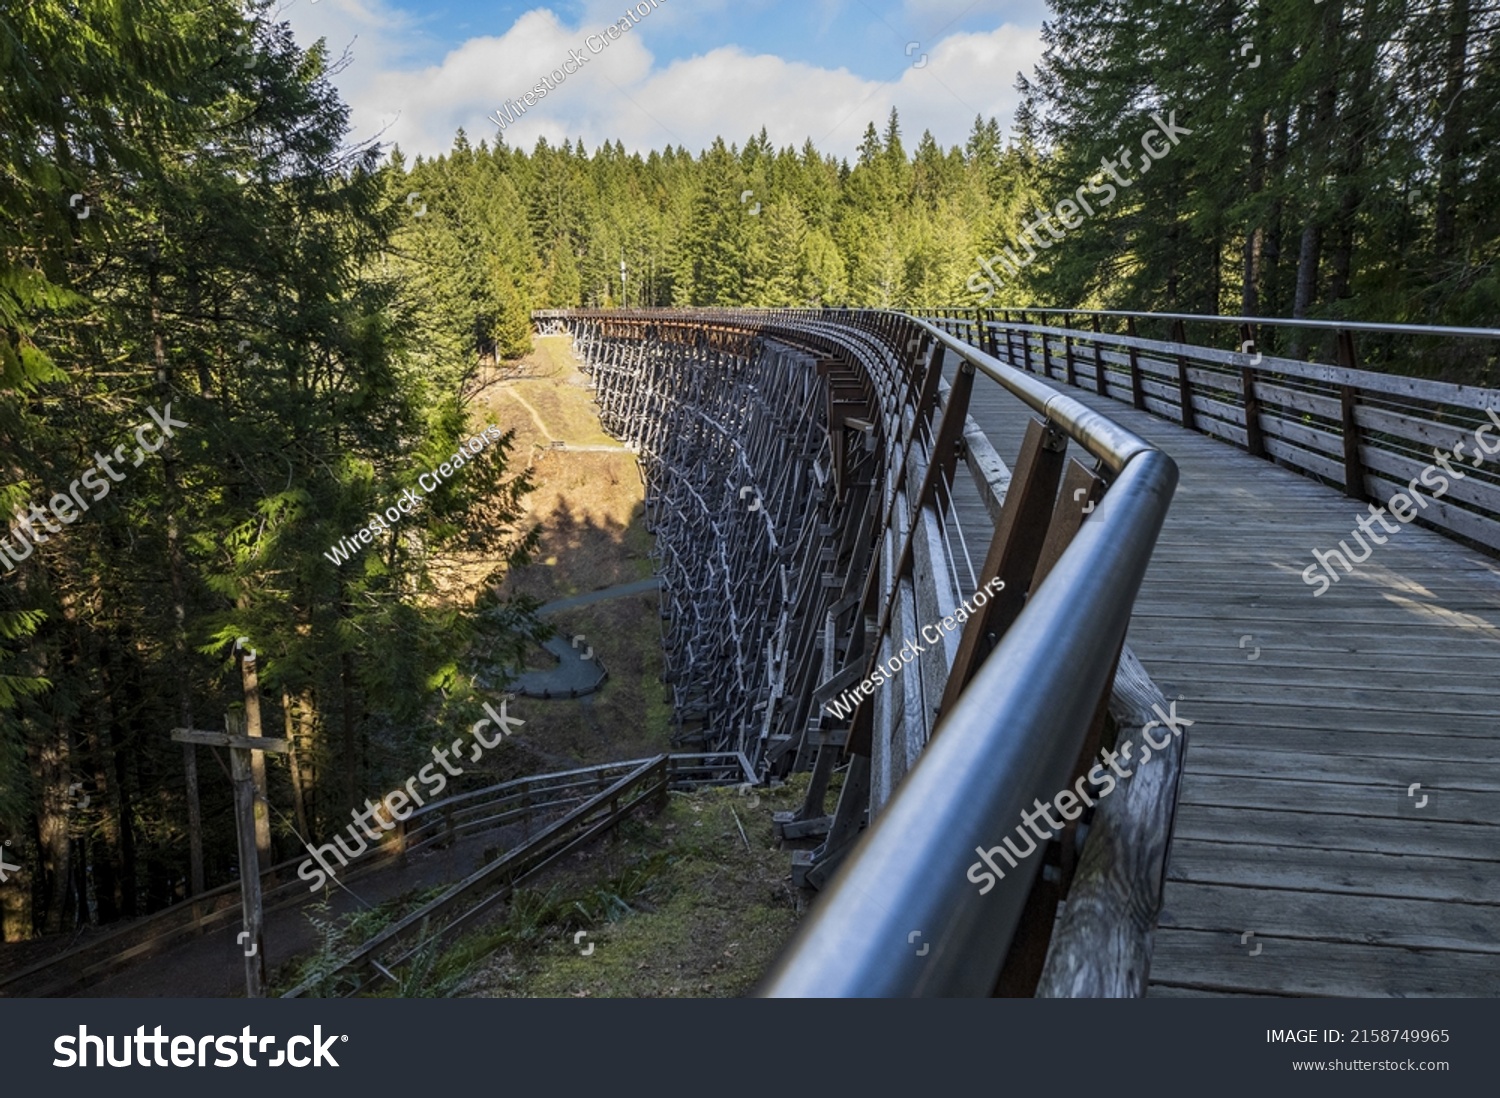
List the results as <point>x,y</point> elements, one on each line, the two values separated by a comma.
<point>1101,436</point>
<point>1014,736</point>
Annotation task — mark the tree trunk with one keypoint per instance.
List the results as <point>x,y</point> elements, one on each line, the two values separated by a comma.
<point>1359,123</point>
<point>1454,133</point>
<point>104,864</point>
<point>294,765</point>
<point>125,808</point>
<point>1271,297</point>
<point>1307,266</point>
<point>56,850</point>
<point>179,598</point>
<point>1254,239</point>
<point>351,747</point>
<point>307,719</point>
<point>161,877</point>
<point>1310,253</point>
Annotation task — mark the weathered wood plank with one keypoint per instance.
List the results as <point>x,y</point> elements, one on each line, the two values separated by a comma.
<point>1220,962</point>
<point>1305,869</point>
<point>1220,674</point>
<point>1424,924</point>
<point>1325,726</point>
<point>1369,801</point>
<point>225,739</point>
<point>1341,769</point>
<point>1102,945</point>
<point>1407,834</point>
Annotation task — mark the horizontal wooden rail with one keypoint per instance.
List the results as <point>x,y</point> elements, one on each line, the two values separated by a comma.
<point>1377,436</point>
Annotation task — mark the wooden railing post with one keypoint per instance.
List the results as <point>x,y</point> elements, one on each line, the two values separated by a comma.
<point>1354,469</point>
<point>1255,441</point>
<point>1068,349</point>
<point>1137,390</point>
<point>1100,384</point>
<point>1017,546</point>
<point>1184,387</point>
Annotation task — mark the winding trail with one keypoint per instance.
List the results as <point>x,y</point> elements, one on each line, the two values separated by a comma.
<point>578,672</point>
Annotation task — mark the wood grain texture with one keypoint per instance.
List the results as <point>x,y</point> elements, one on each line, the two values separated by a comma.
<point>1101,947</point>
<point>1294,819</point>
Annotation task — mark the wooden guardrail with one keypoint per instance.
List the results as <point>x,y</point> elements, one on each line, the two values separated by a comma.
<point>522,799</point>
<point>144,937</point>
<point>1374,435</point>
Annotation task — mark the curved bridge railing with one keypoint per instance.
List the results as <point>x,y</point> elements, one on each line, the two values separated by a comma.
<point>969,684</point>
<point>1432,447</point>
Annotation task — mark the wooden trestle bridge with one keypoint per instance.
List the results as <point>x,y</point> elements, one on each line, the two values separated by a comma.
<point>1317,812</point>
<point>1264,591</point>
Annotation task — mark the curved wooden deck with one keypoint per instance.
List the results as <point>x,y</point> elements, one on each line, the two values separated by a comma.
<point>1299,863</point>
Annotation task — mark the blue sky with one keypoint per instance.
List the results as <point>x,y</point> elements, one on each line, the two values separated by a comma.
<point>690,69</point>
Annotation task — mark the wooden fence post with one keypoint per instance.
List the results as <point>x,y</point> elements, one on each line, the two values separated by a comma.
<point>1137,390</point>
<point>1100,378</point>
<point>242,749</point>
<point>1255,441</point>
<point>1068,349</point>
<point>1354,467</point>
<point>1184,387</point>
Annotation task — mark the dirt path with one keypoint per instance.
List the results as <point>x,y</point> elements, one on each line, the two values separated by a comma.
<point>535,418</point>
<point>619,591</point>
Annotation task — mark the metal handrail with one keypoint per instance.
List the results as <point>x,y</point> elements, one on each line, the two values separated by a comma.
<point>1270,322</point>
<point>1266,321</point>
<point>1101,436</point>
<point>1014,735</point>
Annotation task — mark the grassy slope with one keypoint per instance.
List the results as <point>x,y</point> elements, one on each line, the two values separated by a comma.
<point>591,508</point>
<point>709,924</point>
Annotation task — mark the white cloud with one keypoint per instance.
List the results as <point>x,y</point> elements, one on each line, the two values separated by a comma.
<point>624,93</point>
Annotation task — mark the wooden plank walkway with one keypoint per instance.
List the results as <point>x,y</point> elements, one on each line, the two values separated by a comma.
<point>1313,717</point>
